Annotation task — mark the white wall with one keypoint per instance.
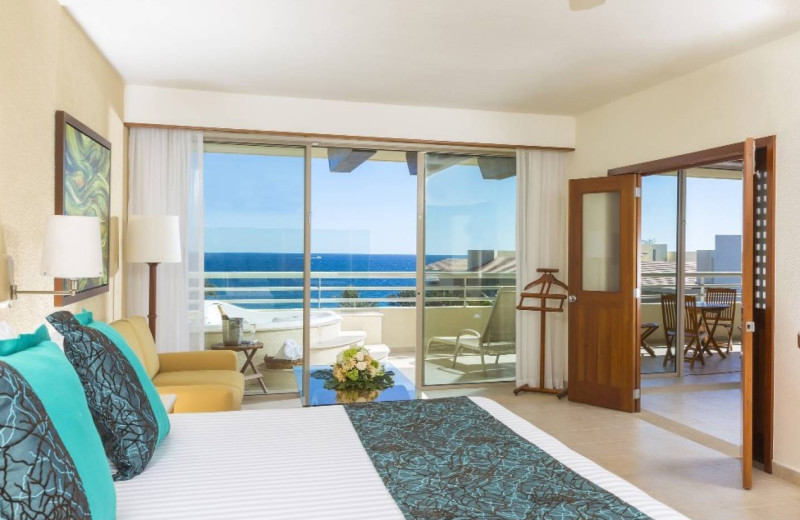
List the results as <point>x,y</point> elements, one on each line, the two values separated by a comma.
<point>751,95</point>
<point>179,107</point>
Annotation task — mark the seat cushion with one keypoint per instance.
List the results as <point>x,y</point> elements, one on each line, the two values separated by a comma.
<point>137,335</point>
<point>124,403</point>
<point>200,377</point>
<point>204,398</point>
<point>52,460</point>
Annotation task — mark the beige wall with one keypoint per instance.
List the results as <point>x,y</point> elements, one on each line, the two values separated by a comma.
<point>46,64</point>
<point>751,95</point>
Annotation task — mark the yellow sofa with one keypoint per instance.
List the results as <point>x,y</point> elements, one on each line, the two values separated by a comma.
<point>203,381</point>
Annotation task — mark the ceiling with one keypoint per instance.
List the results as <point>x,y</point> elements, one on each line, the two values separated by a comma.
<point>508,55</point>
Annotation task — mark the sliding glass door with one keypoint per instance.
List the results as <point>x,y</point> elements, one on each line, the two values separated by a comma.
<point>363,257</point>
<point>470,269</point>
<point>254,198</point>
<point>398,238</point>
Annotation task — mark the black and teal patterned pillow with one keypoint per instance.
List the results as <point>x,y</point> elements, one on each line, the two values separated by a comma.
<point>126,408</point>
<point>52,462</point>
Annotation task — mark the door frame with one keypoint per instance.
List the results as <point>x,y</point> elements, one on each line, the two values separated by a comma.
<point>763,352</point>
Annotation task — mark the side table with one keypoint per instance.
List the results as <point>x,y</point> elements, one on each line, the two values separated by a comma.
<point>249,350</point>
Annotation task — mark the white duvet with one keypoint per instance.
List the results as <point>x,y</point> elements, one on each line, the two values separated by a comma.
<point>298,464</point>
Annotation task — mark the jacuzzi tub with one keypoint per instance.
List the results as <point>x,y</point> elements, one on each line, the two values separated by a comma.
<point>275,327</point>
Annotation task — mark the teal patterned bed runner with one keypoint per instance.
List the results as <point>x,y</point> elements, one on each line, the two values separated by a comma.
<point>451,459</point>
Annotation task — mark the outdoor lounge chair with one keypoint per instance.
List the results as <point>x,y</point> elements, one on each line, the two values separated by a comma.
<point>497,338</point>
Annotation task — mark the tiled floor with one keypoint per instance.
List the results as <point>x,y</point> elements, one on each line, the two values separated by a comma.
<point>698,481</point>
<point>711,405</point>
<point>714,364</point>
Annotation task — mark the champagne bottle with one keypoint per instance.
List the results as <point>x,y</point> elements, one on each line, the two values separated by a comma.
<point>222,312</point>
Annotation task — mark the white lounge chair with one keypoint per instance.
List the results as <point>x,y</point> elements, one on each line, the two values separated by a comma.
<point>497,338</point>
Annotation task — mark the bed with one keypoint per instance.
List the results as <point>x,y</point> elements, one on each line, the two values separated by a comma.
<point>346,462</point>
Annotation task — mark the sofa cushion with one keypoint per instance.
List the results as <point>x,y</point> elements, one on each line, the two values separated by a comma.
<point>200,377</point>
<point>126,407</point>
<point>137,335</point>
<point>59,467</point>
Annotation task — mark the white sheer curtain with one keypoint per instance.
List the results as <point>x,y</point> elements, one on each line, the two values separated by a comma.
<point>541,242</point>
<point>165,177</point>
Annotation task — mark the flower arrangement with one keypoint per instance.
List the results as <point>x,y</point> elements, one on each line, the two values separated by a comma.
<point>355,369</point>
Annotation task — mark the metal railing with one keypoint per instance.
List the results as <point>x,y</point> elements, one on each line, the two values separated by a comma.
<point>337,289</point>
<point>651,292</point>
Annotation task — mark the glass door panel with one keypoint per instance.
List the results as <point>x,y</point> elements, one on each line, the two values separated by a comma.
<point>714,265</point>
<point>254,221</point>
<point>470,269</point>
<point>658,267</point>
<point>600,248</point>
<point>363,265</point>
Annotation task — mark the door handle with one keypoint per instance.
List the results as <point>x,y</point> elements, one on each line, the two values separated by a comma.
<point>572,298</point>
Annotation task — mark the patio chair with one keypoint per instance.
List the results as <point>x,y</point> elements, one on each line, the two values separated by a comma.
<point>647,329</point>
<point>693,331</point>
<point>726,317</point>
<point>497,338</point>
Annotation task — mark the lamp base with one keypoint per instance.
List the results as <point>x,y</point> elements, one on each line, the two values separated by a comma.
<point>151,315</point>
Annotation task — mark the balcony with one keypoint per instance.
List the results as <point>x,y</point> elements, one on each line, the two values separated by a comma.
<point>376,309</point>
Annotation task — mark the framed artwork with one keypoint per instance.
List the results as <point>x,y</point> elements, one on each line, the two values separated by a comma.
<point>83,188</point>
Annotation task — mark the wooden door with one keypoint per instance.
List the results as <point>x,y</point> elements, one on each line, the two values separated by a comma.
<point>748,296</point>
<point>603,282</point>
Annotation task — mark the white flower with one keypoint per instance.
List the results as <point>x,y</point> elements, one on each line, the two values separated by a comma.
<point>362,365</point>
<point>360,356</point>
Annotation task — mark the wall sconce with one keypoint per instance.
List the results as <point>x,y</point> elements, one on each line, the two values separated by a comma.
<point>71,251</point>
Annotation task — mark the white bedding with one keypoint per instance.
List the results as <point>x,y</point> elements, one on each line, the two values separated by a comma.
<point>298,464</point>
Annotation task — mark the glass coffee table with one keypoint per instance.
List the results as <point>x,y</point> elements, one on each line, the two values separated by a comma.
<point>403,389</point>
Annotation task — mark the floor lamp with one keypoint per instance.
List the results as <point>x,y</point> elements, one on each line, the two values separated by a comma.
<point>153,240</point>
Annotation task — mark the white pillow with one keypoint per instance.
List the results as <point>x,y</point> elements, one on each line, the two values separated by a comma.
<point>7,331</point>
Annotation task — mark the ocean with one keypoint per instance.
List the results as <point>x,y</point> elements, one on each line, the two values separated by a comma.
<point>320,264</point>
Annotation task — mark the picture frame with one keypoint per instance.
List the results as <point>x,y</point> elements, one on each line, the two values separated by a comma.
<point>83,188</point>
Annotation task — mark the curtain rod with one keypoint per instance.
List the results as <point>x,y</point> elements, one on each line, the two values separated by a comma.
<point>306,136</point>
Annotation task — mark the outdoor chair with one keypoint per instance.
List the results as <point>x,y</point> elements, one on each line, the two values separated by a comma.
<point>727,316</point>
<point>693,331</point>
<point>497,338</point>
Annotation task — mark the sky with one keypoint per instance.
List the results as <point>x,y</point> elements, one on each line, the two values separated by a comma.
<point>713,207</point>
<point>254,203</point>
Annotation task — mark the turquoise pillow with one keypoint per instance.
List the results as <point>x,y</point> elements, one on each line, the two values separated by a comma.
<point>60,468</point>
<point>126,407</point>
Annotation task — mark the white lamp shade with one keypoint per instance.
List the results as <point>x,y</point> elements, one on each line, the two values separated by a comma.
<point>72,247</point>
<point>153,239</point>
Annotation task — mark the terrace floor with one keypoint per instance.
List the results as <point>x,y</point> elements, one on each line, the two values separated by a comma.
<point>439,370</point>
<point>699,481</point>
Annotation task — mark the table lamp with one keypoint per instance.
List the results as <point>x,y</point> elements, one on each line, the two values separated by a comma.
<point>152,240</point>
<point>71,251</point>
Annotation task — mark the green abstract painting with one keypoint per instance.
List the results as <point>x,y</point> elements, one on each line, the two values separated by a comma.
<point>86,188</point>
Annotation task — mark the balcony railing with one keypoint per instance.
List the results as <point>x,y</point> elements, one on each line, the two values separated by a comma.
<point>284,289</point>
<point>651,291</point>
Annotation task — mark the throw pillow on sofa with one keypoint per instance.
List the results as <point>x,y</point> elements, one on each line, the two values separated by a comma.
<point>125,405</point>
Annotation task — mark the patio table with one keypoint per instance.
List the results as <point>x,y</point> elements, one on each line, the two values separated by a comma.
<point>714,309</point>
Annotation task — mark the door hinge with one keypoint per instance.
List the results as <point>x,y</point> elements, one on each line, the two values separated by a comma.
<point>637,394</point>
<point>637,192</point>
<point>750,326</point>
<point>637,293</point>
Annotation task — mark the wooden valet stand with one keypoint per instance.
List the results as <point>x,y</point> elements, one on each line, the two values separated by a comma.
<point>540,289</point>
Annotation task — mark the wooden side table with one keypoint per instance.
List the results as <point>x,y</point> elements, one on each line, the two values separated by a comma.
<point>249,350</point>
